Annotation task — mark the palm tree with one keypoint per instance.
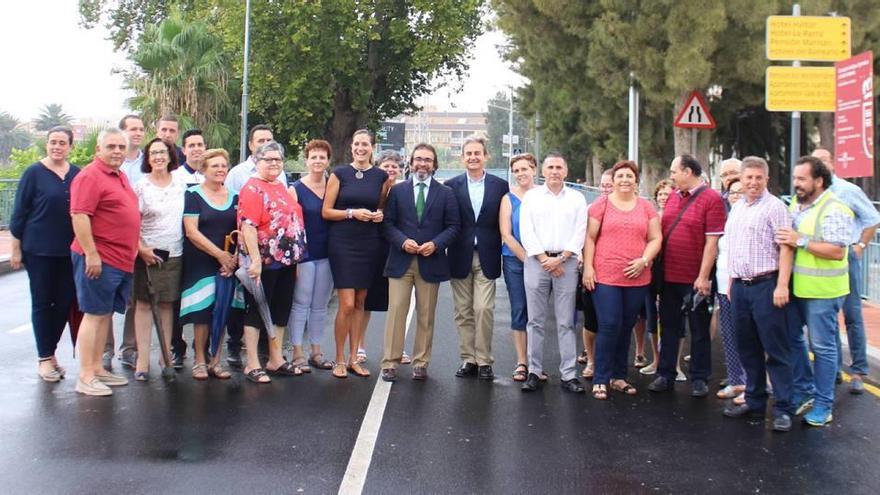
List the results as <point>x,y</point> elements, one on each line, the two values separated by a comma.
<point>12,136</point>
<point>52,115</point>
<point>182,69</point>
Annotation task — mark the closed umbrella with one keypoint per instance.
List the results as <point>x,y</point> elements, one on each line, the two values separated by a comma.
<point>255,287</point>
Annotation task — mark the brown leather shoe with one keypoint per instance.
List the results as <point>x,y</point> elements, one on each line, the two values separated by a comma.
<point>389,375</point>
<point>420,373</point>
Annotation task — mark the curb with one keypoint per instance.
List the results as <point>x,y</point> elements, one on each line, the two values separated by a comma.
<point>4,265</point>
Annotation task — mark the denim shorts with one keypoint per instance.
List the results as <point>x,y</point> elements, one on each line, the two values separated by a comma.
<point>516,291</point>
<point>108,293</point>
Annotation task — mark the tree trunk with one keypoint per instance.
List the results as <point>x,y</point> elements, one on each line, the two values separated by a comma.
<point>826,131</point>
<point>342,126</point>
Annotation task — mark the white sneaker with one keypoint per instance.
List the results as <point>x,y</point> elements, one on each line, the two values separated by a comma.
<point>649,370</point>
<point>681,377</point>
<point>112,380</point>
<point>94,387</point>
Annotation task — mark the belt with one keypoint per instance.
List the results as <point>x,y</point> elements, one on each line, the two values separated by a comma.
<point>553,254</point>
<point>757,278</point>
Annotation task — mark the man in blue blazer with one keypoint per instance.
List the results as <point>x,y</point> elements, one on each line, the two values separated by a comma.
<point>421,220</point>
<point>475,258</point>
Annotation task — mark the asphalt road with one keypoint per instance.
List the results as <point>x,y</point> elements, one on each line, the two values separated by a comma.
<point>445,435</point>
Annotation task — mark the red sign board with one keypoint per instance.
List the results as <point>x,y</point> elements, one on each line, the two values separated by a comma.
<point>854,117</point>
<point>695,113</point>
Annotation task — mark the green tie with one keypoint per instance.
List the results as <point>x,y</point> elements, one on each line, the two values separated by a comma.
<point>420,201</point>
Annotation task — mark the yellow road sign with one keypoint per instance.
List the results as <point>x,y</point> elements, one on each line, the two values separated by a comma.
<point>800,89</point>
<point>808,38</point>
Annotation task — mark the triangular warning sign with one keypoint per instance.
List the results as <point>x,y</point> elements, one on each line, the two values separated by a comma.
<point>695,114</point>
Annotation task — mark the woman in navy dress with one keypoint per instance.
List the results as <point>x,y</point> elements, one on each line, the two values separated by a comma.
<point>41,237</point>
<point>353,207</point>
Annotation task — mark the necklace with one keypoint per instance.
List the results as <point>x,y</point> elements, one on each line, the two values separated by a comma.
<point>360,171</point>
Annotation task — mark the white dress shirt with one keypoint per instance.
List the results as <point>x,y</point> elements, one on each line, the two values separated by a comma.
<point>239,175</point>
<point>553,222</point>
<point>416,182</point>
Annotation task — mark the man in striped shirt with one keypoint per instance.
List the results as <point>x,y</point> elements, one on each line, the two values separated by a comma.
<point>761,270</point>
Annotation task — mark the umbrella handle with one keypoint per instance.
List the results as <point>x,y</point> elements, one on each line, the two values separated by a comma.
<point>228,242</point>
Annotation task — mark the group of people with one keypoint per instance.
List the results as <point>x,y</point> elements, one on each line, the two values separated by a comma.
<point>165,233</point>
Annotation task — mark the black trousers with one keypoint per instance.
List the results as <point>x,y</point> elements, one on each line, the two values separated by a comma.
<point>52,294</point>
<point>672,327</point>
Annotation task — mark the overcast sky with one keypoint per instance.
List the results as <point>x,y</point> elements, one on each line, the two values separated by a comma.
<point>48,58</point>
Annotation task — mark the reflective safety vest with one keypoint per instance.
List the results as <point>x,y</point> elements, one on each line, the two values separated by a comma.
<point>815,277</point>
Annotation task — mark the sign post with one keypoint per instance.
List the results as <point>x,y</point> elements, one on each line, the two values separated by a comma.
<point>694,115</point>
<point>854,117</point>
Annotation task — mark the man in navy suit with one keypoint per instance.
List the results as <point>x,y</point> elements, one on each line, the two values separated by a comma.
<point>475,258</point>
<point>421,220</point>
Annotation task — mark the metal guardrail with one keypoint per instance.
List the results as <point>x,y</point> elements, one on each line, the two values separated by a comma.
<point>7,200</point>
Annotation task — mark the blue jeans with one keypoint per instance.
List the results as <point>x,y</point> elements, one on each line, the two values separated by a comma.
<point>620,309</point>
<point>761,331</point>
<point>855,323</point>
<point>821,318</point>
<point>512,268</point>
<point>672,328</point>
<point>311,296</point>
<point>801,368</point>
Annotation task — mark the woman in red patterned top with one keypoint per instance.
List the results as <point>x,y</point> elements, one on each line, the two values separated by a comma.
<point>272,228</point>
<point>623,237</point>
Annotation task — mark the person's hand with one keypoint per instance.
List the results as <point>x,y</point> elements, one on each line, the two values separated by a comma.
<point>149,256</point>
<point>780,296</point>
<point>410,246</point>
<point>558,271</point>
<point>362,215</point>
<point>225,272</point>
<point>427,249</point>
<point>634,268</point>
<point>703,286</point>
<point>550,263</point>
<point>227,261</point>
<point>93,266</point>
<point>255,269</point>
<point>787,236</point>
<point>378,216</point>
<point>15,260</point>
<point>857,250</point>
<point>589,278</point>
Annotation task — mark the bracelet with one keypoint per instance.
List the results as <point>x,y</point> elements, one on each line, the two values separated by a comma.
<point>349,213</point>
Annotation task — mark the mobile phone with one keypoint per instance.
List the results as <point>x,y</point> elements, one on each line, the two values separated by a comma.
<point>162,254</point>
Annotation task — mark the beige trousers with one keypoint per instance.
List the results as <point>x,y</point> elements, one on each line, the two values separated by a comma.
<point>399,296</point>
<point>474,298</point>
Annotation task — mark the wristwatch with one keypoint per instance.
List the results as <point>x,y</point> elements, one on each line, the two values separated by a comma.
<point>802,242</point>
<point>861,245</point>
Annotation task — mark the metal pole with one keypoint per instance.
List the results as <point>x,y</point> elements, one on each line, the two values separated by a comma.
<point>795,146</point>
<point>537,134</point>
<point>510,127</point>
<point>244,82</point>
<point>694,143</point>
<point>633,148</point>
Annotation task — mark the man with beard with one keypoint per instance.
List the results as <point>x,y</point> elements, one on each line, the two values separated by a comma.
<point>822,231</point>
<point>421,220</point>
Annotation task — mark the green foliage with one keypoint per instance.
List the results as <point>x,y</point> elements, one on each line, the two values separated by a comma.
<point>19,160</point>
<point>50,116</point>
<point>12,136</point>
<point>84,151</point>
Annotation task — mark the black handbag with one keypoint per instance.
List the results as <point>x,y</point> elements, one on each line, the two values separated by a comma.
<point>657,274</point>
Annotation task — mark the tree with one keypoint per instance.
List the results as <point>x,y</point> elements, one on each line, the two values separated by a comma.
<point>50,116</point>
<point>181,68</point>
<point>498,124</point>
<point>579,57</point>
<point>12,136</point>
<point>325,69</point>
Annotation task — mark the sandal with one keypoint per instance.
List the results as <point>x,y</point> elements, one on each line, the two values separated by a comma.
<point>582,359</point>
<point>339,370</point>
<point>600,392</point>
<point>640,361</point>
<point>257,375</point>
<point>405,359</point>
<point>730,391</point>
<point>301,363</point>
<point>141,376</point>
<point>200,371</point>
<point>286,369</point>
<point>521,372</point>
<point>317,361</point>
<point>219,372</point>
<point>361,356</point>
<point>625,388</point>
<point>359,370</point>
<point>740,399</point>
<point>588,372</point>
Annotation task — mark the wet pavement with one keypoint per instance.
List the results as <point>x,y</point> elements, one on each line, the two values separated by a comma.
<point>445,435</point>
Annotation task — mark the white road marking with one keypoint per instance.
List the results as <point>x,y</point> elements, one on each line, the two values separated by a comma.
<point>20,329</point>
<point>362,454</point>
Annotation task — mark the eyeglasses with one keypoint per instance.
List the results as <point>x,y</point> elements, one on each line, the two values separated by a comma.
<point>159,153</point>
<point>271,160</point>
<point>731,193</point>
<point>728,174</point>
<point>419,159</point>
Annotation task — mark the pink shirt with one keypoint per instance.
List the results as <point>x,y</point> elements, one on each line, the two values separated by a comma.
<point>622,238</point>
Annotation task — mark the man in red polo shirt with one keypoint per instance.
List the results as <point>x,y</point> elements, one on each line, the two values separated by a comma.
<point>693,220</point>
<point>106,225</point>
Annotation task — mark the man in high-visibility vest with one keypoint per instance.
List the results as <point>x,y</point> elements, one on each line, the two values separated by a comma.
<point>822,231</point>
